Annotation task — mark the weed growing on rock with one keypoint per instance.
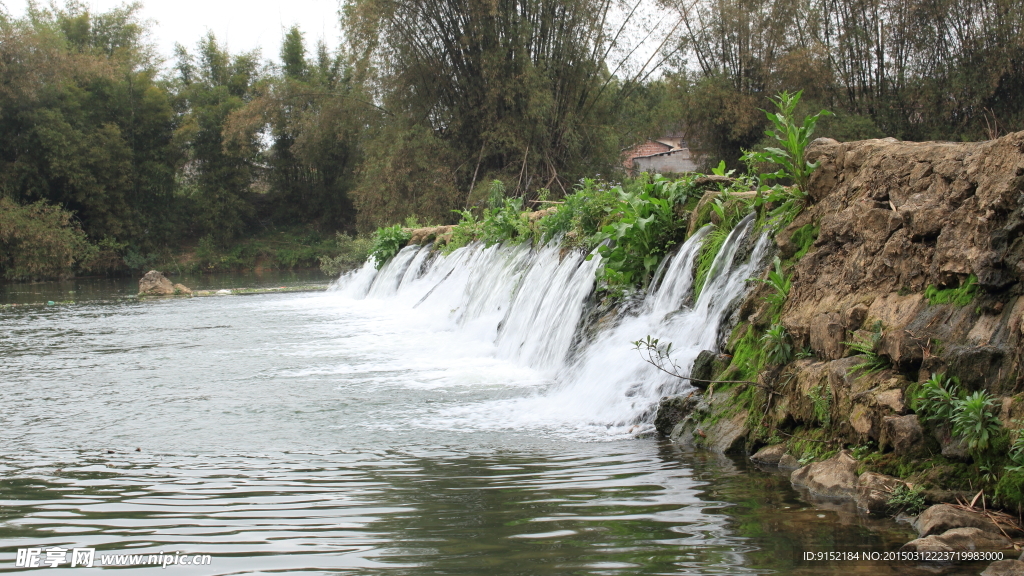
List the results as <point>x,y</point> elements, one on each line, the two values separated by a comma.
<point>873,361</point>
<point>906,500</point>
<point>778,280</point>
<point>777,349</point>
<point>974,421</point>
<point>821,399</point>
<point>793,138</point>
<point>960,296</point>
<point>937,399</point>
<point>387,242</point>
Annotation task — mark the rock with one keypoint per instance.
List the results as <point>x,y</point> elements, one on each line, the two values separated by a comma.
<point>1005,568</point>
<point>182,290</point>
<point>788,462</point>
<point>832,478</point>
<point>943,517</point>
<point>224,292</point>
<point>769,455</point>
<point>672,410</point>
<point>703,368</point>
<point>959,539</point>
<point>155,284</point>
<point>904,434</point>
<point>874,490</point>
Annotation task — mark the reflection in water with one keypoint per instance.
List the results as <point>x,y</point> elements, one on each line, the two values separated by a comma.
<point>294,432</point>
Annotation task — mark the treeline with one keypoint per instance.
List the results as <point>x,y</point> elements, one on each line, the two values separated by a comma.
<point>131,160</point>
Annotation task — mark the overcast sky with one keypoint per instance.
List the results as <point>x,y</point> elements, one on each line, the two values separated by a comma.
<point>244,25</point>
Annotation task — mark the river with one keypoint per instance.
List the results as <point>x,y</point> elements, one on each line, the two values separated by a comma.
<point>339,432</point>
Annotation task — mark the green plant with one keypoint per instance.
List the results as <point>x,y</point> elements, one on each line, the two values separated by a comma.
<point>352,252</point>
<point>937,399</point>
<point>873,361</point>
<point>388,241</point>
<point>778,280</point>
<point>974,421</point>
<point>1017,453</point>
<point>730,212</point>
<point>794,139</point>
<point>960,296</point>
<point>906,499</point>
<point>777,349</point>
<point>859,452</point>
<point>637,240</point>
<point>804,238</point>
<point>821,400</point>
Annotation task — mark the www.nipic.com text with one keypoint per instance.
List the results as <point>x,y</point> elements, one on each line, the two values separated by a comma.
<point>86,557</point>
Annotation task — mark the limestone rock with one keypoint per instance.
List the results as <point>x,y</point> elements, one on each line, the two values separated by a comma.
<point>769,455</point>
<point>904,434</point>
<point>874,490</point>
<point>943,517</point>
<point>182,290</point>
<point>155,284</point>
<point>788,462</point>
<point>959,539</point>
<point>1005,568</point>
<point>832,478</point>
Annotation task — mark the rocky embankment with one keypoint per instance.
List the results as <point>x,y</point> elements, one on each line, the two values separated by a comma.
<point>918,269</point>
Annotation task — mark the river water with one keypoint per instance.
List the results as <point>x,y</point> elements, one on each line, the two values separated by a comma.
<point>342,432</point>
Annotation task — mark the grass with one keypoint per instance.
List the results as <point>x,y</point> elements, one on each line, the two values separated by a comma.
<point>960,296</point>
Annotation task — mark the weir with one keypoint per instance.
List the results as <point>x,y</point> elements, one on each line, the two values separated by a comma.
<point>535,305</point>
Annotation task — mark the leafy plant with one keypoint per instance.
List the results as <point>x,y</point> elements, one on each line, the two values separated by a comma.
<point>388,241</point>
<point>352,252</point>
<point>1017,453</point>
<point>937,399</point>
<point>974,421</point>
<point>960,296</point>
<point>821,400</point>
<point>778,280</point>
<point>906,499</point>
<point>777,349</point>
<point>504,222</point>
<point>730,213</point>
<point>873,361</point>
<point>794,139</point>
<point>637,240</point>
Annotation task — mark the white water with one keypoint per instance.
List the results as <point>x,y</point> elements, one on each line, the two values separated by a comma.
<point>511,315</point>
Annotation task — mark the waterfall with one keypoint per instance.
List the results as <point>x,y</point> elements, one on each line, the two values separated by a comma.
<point>533,302</point>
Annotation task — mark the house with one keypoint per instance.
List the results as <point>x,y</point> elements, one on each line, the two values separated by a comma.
<point>666,154</point>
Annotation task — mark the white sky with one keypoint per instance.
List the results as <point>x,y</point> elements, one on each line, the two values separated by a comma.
<point>244,25</point>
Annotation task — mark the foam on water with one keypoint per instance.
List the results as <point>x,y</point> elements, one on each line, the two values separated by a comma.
<point>512,315</point>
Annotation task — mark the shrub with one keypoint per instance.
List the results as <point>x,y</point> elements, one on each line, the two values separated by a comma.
<point>352,252</point>
<point>794,139</point>
<point>778,280</point>
<point>638,239</point>
<point>40,241</point>
<point>905,499</point>
<point>387,242</point>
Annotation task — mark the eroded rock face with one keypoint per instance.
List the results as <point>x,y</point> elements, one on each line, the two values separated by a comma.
<point>959,539</point>
<point>155,284</point>
<point>832,478</point>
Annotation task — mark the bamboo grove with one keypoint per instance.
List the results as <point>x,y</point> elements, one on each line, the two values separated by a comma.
<point>112,154</point>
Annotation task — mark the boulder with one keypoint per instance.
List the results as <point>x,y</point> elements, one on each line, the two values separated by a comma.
<point>769,455</point>
<point>832,478</point>
<point>788,462</point>
<point>904,434</point>
<point>155,284</point>
<point>672,410</point>
<point>1005,568</point>
<point>874,490</point>
<point>943,517</point>
<point>959,539</point>
<point>182,290</point>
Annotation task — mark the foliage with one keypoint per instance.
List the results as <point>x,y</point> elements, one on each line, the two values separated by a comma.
<point>959,296</point>
<point>907,500</point>
<point>821,400</point>
<point>388,241</point>
<point>873,361</point>
<point>505,222</point>
<point>804,238</point>
<point>975,422</point>
<point>780,282</point>
<point>582,215</point>
<point>40,241</point>
<point>937,399</point>
<point>645,229</point>
<point>352,252</point>
<point>777,348</point>
<point>794,139</point>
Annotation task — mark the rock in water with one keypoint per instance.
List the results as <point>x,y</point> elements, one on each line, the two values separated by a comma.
<point>832,478</point>
<point>155,284</point>
<point>182,290</point>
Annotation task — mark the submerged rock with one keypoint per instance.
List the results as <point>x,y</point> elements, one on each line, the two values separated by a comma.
<point>769,455</point>
<point>155,284</point>
<point>832,478</point>
<point>672,410</point>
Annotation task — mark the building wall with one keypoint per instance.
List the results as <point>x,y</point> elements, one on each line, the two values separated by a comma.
<point>645,149</point>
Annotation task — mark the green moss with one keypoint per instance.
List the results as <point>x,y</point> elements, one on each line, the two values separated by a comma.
<point>960,296</point>
<point>1010,490</point>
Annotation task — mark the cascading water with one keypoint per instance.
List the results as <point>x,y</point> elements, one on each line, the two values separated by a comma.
<point>530,302</point>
